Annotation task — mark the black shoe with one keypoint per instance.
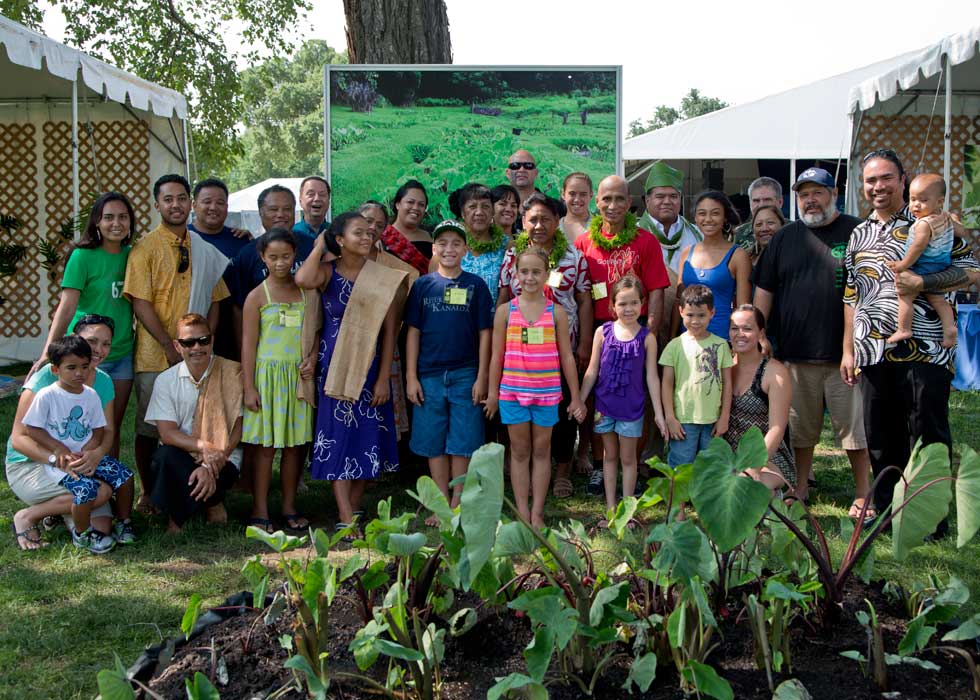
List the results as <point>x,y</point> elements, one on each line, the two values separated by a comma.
<point>595,487</point>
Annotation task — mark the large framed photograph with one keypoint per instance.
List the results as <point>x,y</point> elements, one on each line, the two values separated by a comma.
<point>446,126</point>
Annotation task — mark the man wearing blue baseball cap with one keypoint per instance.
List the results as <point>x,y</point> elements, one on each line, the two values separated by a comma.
<point>799,287</point>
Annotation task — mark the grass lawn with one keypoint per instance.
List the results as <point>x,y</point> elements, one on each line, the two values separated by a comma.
<point>63,613</point>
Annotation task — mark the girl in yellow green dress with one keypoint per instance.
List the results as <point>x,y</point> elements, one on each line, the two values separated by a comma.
<point>272,364</point>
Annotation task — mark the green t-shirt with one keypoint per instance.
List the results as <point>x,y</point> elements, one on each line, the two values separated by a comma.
<point>99,276</point>
<point>45,377</point>
<point>697,376</point>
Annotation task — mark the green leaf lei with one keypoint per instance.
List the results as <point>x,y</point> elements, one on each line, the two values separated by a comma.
<point>478,247</point>
<point>558,247</point>
<point>624,237</point>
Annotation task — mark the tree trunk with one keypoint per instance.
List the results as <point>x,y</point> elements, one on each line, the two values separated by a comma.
<point>398,31</point>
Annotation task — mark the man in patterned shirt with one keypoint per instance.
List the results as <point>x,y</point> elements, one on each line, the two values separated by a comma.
<point>905,387</point>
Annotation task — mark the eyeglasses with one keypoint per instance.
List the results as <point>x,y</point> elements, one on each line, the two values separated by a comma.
<point>203,341</point>
<point>526,164</point>
<point>185,260</point>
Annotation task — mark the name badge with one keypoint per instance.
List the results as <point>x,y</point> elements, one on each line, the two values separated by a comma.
<point>455,295</point>
<point>599,290</point>
<point>532,336</point>
<point>290,318</point>
<point>555,279</point>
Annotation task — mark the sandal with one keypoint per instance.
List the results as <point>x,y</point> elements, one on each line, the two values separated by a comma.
<point>29,538</point>
<point>263,524</point>
<point>870,513</point>
<point>296,522</point>
<point>562,488</point>
<point>346,539</point>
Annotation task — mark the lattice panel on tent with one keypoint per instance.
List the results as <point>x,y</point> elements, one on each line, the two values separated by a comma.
<point>20,315</point>
<point>905,135</point>
<point>120,163</point>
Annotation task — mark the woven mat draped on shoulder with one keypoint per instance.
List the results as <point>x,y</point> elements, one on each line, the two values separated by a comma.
<point>219,403</point>
<point>395,263</point>
<point>309,340</point>
<point>374,291</point>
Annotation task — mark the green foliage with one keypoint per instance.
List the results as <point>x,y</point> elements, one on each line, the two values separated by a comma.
<point>27,12</point>
<point>926,476</point>
<point>200,688</point>
<point>693,104</point>
<point>190,615</point>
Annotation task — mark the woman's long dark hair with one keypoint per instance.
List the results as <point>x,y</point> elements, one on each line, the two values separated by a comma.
<point>91,237</point>
<point>732,218</point>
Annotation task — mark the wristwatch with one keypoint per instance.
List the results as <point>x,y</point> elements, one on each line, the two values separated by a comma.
<point>52,459</point>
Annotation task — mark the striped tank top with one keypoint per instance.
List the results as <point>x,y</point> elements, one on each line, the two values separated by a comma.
<point>531,374</point>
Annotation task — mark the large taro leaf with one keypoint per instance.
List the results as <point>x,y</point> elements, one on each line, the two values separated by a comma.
<point>919,518</point>
<point>967,496</point>
<point>429,495</point>
<point>642,672</point>
<point>707,681</point>
<point>517,685</point>
<point>684,551</point>
<point>480,506</point>
<point>729,505</point>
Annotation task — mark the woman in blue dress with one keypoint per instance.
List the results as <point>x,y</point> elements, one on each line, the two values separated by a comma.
<point>721,266</point>
<point>354,440</point>
<point>486,242</point>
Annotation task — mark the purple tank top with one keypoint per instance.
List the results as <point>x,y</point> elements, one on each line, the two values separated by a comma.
<point>620,392</point>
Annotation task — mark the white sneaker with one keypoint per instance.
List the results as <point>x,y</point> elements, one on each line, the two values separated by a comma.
<point>93,540</point>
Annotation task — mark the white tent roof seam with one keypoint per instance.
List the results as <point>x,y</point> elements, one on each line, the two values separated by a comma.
<point>27,48</point>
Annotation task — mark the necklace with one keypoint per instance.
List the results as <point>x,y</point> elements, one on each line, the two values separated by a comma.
<point>478,247</point>
<point>624,237</point>
<point>558,247</point>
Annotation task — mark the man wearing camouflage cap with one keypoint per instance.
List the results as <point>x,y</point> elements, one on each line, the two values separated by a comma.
<point>663,217</point>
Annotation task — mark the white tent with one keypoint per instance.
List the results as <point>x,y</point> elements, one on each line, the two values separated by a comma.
<point>806,123</point>
<point>70,126</point>
<point>244,203</point>
<point>925,108</point>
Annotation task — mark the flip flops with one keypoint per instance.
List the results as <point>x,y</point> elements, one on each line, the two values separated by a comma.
<point>262,524</point>
<point>27,537</point>
<point>296,522</point>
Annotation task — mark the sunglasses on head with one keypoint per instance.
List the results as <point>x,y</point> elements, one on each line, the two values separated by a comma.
<point>886,153</point>
<point>203,341</point>
<point>526,164</point>
<point>185,260</point>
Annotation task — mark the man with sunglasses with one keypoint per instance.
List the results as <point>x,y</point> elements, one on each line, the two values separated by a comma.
<point>905,386</point>
<point>192,469</point>
<point>522,171</point>
<point>171,271</point>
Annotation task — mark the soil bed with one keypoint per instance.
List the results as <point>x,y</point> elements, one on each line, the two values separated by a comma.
<point>493,648</point>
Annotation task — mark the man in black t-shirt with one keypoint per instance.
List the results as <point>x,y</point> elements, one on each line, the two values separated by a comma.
<point>801,275</point>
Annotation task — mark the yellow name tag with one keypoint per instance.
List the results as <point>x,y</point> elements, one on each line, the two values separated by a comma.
<point>532,336</point>
<point>455,295</point>
<point>555,278</point>
<point>599,290</point>
<point>290,318</point>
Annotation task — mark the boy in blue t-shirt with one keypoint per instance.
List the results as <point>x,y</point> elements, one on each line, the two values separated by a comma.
<point>447,360</point>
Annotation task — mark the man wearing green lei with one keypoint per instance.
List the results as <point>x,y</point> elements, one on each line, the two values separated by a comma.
<point>763,190</point>
<point>663,217</point>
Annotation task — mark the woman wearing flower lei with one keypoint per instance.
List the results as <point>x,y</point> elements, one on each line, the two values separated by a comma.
<point>486,242</point>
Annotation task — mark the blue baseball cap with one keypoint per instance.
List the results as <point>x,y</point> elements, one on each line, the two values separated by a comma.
<point>815,175</point>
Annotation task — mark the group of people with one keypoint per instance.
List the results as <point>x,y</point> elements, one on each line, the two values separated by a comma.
<point>526,319</point>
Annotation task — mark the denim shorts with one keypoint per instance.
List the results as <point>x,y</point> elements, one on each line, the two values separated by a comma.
<point>697,437</point>
<point>623,428</point>
<point>512,413</point>
<point>447,422</point>
<point>120,370</point>
<point>85,489</point>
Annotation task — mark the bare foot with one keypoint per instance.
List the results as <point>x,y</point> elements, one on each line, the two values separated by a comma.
<point>173,528</point>
<point>432,520</point>
<point>217,514</point>
<point>949,337</point>
<point>537,523</point>
<point>29,538</point>
<point>144,506</point>
<point>898,336</point>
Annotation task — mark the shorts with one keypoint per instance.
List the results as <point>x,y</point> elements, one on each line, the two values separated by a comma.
<point>696,438</point>
<point>447,422</point>
<point>817,385</point>
<point>513,413</point>
<point>623,428</point>
<point>930,267</point>
<point>120,370</point>
<point>144,389</point>
<point>85,489</point>
<point>32,484</point>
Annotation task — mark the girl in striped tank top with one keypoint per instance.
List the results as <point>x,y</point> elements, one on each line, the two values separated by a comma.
<point>531,345</point>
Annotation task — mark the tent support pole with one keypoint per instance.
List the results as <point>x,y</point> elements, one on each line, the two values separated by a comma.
<point>948,127</point>
<point>74,156</point>
<point>792,181</point>
<point>187,153</point>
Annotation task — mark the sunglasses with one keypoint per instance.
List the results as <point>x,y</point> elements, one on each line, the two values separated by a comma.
<point>203,341</point>
<point>185,260</point>
<point>526,164</point>
<point>886,153</point>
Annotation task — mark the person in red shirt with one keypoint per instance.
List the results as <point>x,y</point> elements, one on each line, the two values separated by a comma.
<point>615,246</point>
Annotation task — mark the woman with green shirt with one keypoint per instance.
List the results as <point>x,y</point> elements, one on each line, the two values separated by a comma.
<point>93,284</point>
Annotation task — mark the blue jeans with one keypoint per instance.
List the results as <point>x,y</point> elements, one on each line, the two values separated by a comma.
<point>120,370</point>
<point>684,451</point>
<point>447,422</point>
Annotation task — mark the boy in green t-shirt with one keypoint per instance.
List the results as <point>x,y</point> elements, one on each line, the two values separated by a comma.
<point>697,381</point>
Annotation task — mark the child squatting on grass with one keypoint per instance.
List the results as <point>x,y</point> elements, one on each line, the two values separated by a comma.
<point>623,354</point>
<point>928,250</point>
<point>67,418</point>
<point>531,345</point>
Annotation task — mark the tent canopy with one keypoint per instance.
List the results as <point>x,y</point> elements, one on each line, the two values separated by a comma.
<point>805,123</point>
<point>26,50</point>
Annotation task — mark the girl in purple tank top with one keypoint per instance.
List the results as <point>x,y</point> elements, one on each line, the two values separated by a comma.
<point>624,354</point>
